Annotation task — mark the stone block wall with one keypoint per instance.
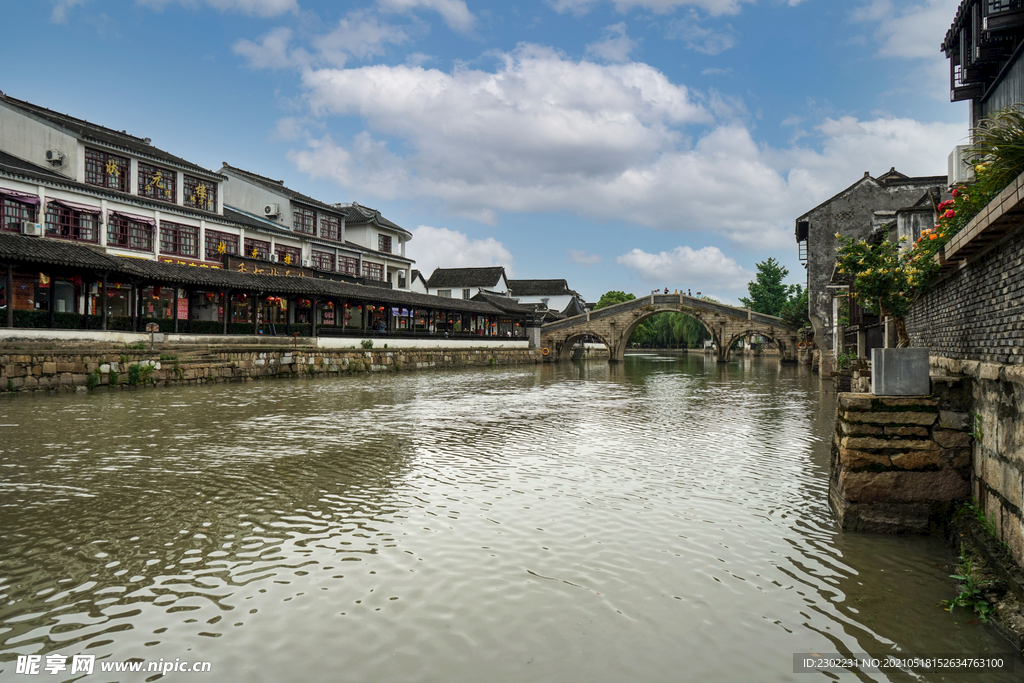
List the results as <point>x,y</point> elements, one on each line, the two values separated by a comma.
<point>898,463</point>
<point>81,368</point>
<point>991,396</point>
<point>976,312</point>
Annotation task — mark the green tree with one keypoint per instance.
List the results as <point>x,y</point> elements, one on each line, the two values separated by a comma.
<point>794,312</point>
<point>767,293</point>
<point>611,298</point>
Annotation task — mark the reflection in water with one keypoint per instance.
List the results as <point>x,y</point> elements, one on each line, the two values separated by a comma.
<point>662,519</point>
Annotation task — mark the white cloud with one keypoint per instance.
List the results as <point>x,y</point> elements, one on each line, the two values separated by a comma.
<point>912,32</point>
<point>59,15</point>
<point>699,38</point>
<point>454,12</point>
<point>540,132</point>
<point>713,7</point>
<point>615,46</point>
<point>583,257</point>
<point>259,8</point>
<point>360,35</point>
<point>684,267</point>
<point>443,248</point>
<point>272,52</point>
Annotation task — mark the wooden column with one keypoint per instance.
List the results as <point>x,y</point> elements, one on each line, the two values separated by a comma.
<point>175,309</point>
<point>52,307</point>
<point>312,316</point>
<point>104,302</point>
<point>226,296</point>
<point>10,295</point>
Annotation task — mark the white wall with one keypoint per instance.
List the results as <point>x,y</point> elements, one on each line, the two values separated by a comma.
<point>28,139</point>
<point>251,198</point>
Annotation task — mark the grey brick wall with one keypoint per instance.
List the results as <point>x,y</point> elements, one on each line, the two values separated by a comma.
<point>978,312</point>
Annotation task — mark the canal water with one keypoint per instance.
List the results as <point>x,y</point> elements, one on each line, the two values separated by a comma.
<point>664,519</point>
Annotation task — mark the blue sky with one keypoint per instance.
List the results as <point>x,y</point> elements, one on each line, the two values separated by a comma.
<point>620,144</point>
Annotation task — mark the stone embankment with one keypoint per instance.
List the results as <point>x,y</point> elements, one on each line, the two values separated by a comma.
<point>898,463</point>
<point>34,370</point>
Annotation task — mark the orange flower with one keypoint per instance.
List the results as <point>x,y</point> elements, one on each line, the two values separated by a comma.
<point>933,236</point>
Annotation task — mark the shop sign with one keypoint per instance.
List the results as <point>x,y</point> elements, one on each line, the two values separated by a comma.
<point>188,262</point>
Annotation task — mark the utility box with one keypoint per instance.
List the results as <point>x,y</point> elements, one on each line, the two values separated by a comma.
<point>900,372</point>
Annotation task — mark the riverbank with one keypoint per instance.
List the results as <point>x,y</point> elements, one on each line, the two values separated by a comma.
<point>42,367</point>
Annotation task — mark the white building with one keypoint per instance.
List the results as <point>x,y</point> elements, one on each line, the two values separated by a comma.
<point>465,283</point>
<point>554,295</point>
<point>287,227</point>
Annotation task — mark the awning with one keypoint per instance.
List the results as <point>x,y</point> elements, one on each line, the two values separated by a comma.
<point>22,197</point>
<point>75,206</point>
<point>133,217</point>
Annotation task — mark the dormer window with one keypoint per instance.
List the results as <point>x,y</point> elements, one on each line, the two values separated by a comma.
<point>304,220</point>
<point>384,243</point>
<point>200,194</point>
<point>330,227</point>
<point>104,169</point>
<point>157,183</point>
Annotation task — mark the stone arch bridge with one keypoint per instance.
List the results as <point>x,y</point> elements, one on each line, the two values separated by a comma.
<point>613,326</point>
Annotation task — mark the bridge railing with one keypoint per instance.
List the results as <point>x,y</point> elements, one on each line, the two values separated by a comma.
<point>670,300</point>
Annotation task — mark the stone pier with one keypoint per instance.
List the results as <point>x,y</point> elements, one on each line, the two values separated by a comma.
<point>899,464</point>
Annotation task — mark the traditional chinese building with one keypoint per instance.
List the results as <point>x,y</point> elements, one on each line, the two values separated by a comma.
<point>552,294</point>
<point>465,283</point>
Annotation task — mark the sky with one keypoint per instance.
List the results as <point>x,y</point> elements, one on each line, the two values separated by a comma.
<point>618,144</point>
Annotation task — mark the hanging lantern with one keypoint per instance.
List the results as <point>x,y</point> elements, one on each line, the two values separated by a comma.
<point>209,296</point>
<point>348,306</point>
<point>241,297</point>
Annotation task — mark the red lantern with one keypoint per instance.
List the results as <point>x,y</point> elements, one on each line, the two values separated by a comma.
<point>241,297</point>
<point>209,296</point>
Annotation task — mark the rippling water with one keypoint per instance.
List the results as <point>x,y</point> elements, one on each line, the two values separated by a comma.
<point>661,520</point>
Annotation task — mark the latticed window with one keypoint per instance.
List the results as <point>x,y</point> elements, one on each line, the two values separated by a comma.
<point>330,227</point>
<point>289,256</point>
<point>14,212</point>
<point>257,249</point>
<point>348,266</point>
<point>179,240</point>
<point>220,243</point>
<point>106,170</point>
<point>373,271</point>
<point>200,194</point>
<point>322,260</point>
<point>384,243</point>
<point>126,233</point>
<point>304,220</point>
<point>70,224</point>
<point>157,183</point>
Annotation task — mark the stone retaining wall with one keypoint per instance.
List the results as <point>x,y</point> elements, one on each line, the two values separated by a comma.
<point>78,369</point>
<point>898,463</point>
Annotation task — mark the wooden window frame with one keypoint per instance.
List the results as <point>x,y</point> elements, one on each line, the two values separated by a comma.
<point>262,249</point>
<point>97,163</point>
<point>214,238</point>
<point>179,240</point>
<point>322,260</point>
<point>283,250</point>
<point>384,243</point>
<point>373,271</point>
<point>124,233</point>
<point>13,213</point>
<point>304,220</point>
<point>160,184</point>
<point>194,199</point>
<point>330,227</point>
<point>67,224</point>
<point>348,266</point>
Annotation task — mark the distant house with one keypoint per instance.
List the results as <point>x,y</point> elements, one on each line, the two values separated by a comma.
<point>892,200</point>
<point>417,282</point>
<point>465,283</point>
<point>552,294</point>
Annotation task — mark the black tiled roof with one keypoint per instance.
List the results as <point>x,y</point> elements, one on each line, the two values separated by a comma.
<point>540,288</point>
<point>504,303</point>
<point>465,277</point>
<point>16,248</point>
<point>279,187</point>
<point>101,134</point>
<point>358,215</point>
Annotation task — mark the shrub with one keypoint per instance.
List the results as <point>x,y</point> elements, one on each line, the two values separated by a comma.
<point>366,343</point>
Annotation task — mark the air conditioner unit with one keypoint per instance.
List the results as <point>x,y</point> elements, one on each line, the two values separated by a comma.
<point>272,210</point>
<point>960,166</point>
<point>307,263</point>
<point>273,258</point>
<point>55,156</point>
<point>30,228</point>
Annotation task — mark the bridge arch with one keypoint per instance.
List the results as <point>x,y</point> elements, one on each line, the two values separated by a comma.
<point>563,350</point>
<point>767,334</point>
<point>620,352</point>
